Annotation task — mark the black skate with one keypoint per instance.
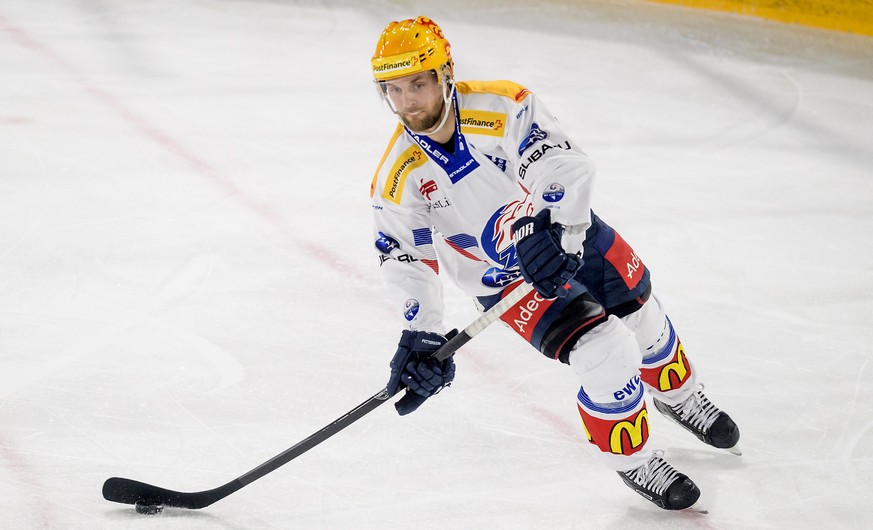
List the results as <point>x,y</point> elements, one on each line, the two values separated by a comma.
<point>703,419</point>
<point>659,482</point>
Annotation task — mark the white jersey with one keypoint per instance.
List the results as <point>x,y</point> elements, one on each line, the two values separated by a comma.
<point>449,212</point>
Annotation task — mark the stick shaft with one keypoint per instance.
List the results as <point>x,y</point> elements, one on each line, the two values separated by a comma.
<point>129,491</point>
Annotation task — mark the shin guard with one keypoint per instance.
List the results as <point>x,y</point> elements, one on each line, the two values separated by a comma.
<point>619,429</point>
<point>666,369</point>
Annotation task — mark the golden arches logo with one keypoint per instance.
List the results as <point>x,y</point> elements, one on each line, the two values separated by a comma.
<point>637,433</point>
<point>679,367</point>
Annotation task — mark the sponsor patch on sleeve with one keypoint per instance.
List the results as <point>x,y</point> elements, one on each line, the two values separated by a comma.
<point>554,192</point>
<point>406,162</point>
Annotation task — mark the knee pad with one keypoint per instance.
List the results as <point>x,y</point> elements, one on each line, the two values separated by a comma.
<point>649,325</point>
<point>582,315</point>
<point>551,325</point>
<point>607,360</point>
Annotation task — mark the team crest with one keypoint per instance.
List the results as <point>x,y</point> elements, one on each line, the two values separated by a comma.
<point>497,236</point>
<point>427,188</point>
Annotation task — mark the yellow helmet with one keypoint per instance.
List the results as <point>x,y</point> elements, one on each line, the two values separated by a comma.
<point>411,46</point>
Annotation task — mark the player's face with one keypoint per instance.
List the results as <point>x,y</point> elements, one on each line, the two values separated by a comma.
<point>417,99</point>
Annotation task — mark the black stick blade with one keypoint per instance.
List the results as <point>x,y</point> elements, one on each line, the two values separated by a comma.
<point>128,491</point>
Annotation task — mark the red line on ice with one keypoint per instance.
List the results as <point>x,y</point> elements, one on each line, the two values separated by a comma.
<point>168,142</point>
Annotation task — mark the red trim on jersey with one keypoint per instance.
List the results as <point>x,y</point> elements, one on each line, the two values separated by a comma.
<point>523,93</point>
<point>464,252</point>
<point>433,264</point>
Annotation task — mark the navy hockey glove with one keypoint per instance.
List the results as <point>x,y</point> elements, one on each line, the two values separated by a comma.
<point>542,260</point>
<point>413,368</point>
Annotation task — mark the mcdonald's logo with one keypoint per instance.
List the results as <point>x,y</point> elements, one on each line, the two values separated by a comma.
<point>674,373</point>
<point>635,433</point>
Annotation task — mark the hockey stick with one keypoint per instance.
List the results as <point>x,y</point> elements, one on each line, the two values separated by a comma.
<point>143,495</point>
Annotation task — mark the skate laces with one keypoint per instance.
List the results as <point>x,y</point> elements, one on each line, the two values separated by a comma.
<point>655,475</point>
<point>697,410</point>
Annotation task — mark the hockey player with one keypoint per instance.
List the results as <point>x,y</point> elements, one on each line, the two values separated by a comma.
<point>480,183</point>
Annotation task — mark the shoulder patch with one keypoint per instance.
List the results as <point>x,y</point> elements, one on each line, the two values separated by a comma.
<point>410,159</point>
<point>504,88</point>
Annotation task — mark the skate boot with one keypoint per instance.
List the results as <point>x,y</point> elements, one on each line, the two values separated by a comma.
<point>703,419</point>
<point>659,482</point>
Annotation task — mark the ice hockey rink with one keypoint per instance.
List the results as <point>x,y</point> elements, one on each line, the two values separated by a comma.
<point>188,284</point>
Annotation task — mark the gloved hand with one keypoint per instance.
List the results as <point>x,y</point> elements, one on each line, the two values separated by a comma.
<point>413,368</point>
<point>542,260</point>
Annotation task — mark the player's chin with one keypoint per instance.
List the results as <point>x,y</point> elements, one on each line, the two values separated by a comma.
<point>412,122</point>
<point>420,125</point>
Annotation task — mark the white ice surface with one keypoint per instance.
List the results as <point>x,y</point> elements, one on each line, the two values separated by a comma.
<point>188,286</point>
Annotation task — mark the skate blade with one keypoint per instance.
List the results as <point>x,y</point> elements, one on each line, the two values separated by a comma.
<point>697,508</point>
<point>735,450</point>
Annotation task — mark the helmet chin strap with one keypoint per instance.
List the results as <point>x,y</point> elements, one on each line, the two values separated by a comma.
<point>447,105</point>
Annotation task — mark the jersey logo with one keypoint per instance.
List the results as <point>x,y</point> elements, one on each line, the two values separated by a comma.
<point>535,135</point>
<point>406,162</point>
<point>497,277</point>
<point>497,234</point>
<point>385,244</point>
<point>427,188</point>
<point>483,122</point>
